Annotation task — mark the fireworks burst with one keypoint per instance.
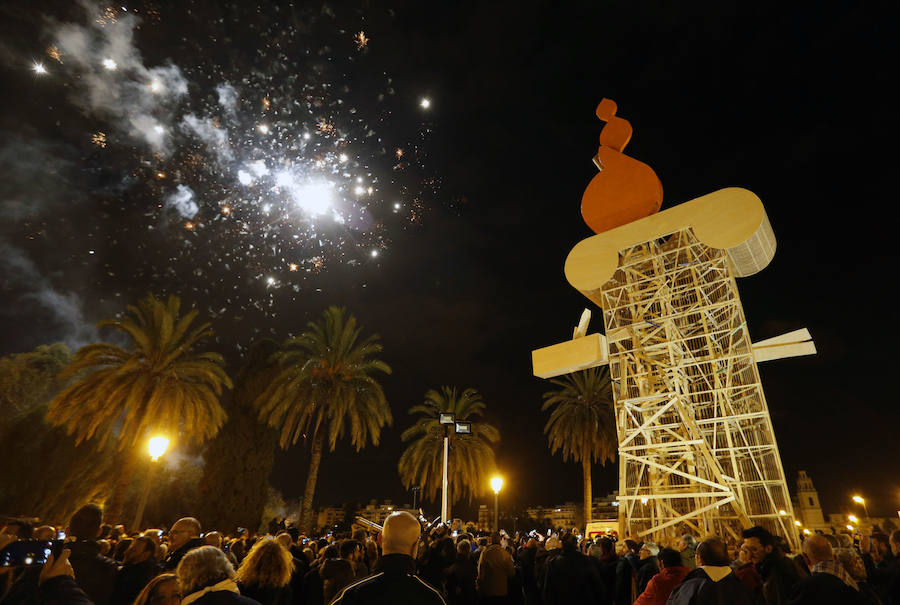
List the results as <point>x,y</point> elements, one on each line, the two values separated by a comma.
<point>247,175</point>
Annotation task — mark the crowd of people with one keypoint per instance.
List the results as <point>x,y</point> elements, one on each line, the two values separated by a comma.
<point>411,562</point>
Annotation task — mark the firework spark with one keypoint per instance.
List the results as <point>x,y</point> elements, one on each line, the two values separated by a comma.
<point>361,40</point>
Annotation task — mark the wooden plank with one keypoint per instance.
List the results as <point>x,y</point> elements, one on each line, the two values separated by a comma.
<point>566,357</point>
<point>782,351</point>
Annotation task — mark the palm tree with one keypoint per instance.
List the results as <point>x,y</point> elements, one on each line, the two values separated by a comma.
<point>158,383</point>
<point>471,461</point>
<point>326,388</point>
<point>582,423</point>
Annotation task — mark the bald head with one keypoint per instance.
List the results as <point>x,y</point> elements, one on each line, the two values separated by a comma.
<point>401,534</point>
<point>817,549</point>
<point>182,531</point>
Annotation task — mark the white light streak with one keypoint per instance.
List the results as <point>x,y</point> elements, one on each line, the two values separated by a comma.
<point>110,64</point>
<point>39,69</point>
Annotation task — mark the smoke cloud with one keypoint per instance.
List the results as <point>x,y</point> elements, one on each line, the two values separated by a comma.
<point>115,84</point>
<point>183,201</point>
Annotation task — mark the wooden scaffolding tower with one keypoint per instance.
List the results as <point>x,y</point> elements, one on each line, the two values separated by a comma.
<point>697,452</point>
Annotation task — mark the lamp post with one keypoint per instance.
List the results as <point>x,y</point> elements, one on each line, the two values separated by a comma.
<point>860,500</point>
<point>157,447</point>
<point>497,485</point>
<point>451,425</point>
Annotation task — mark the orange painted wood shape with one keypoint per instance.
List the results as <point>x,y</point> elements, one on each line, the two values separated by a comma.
<point>625,189</point>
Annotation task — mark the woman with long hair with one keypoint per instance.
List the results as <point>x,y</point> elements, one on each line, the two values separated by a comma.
<point>161,590</point>
<point>265,573</point>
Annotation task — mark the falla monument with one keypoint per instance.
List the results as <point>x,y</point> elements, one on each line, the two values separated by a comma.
<point>696,448</point>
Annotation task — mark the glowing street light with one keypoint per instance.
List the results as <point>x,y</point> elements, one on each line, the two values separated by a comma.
<point>860,500</point>
<point>853,518</point>
<point>156,447</point>
<point>496,485</point>
<point>39,69</point>
<point>850,527</point>
<point>797,523</point>
<point>425,103</point>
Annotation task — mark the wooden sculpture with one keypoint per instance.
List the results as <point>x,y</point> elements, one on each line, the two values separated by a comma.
<point>625,189</point>
<point>697,451</point>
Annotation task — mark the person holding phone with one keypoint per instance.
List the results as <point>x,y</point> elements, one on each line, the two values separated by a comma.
<point>94,573</point>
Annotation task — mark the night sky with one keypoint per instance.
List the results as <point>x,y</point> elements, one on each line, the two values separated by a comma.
<point>471,222</point>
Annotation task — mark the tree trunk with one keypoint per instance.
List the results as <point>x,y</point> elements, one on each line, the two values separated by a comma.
<point>307,522</point>
<point>115,506</point>
<point>586,470</point>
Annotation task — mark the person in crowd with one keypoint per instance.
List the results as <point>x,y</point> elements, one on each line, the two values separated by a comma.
<point>687,545</point>
<point>778,573</point>
<point>213,538</point>
<point>301,567</point>
<point>828,582</point>
<point>745,570</point>
<point>140,567</point>
<point>527,559</point>
<point>352,551</point>
<point>122,547</point>
<point>265,573</point>
<point>394,581</point>
<point>608,561</point>
<point>573,577</point>
<point>56,583</point>
<point>671,573</point>
<point>19,528</point>
<point>94,573</point>
<point>881,564</point>
<point>626,569</point>
<point>647,566</point>
<point>161,590</point>
<point>206,577</point>
<point>314,581</point>
<point>461,577</point>
<point>338,572</point>
<point>713,582</point>
<point>184,536</point>
<point>552,549</point>
<point>44,532</point>
<point>437,556</point>
<point>495,568</point>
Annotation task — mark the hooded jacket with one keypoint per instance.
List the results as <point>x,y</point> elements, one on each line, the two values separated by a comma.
<point>661,586</point>
<point>711,585</point>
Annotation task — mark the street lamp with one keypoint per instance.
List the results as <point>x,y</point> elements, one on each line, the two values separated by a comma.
<point>860,500</point>
<point>156,447</point>
<point>853,519</point>
<point>497,485</point>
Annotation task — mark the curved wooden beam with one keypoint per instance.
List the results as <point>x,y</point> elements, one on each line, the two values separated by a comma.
<point>732,219</point>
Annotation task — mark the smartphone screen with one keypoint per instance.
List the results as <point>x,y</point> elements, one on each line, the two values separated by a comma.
<point>28,552</point>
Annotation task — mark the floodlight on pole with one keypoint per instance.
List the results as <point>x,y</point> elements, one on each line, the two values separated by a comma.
<point>447,420</point>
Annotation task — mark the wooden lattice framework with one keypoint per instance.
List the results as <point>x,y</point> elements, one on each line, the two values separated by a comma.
<point>697,451</point>
<point>696,446</point>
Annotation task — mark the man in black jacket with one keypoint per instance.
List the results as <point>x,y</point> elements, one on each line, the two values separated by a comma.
<point>183,537</point>
<point>713,582</point>
<point>394,581</point>
<point>828,582</point>
<point>94,573</point>
<point>140,567</point>
<point>778,573</point>
<point>574,578</point>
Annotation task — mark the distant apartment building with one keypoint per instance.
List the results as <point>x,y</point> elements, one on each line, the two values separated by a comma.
<point>330,516</point>
<point>377,513</point>
<point>563,516</point>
